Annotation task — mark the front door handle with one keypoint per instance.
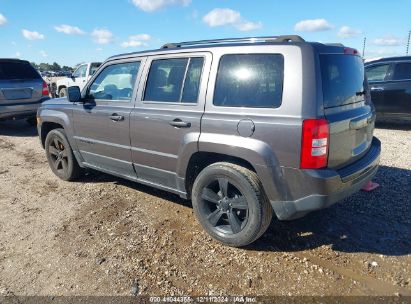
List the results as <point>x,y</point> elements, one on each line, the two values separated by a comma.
<point>116,117</point>
<point>377,89</point>
<point>178,123</point>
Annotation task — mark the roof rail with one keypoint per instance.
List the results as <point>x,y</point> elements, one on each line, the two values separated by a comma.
<point>283,38</point>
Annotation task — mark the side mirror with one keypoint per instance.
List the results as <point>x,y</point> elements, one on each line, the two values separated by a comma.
<point>74,94</point>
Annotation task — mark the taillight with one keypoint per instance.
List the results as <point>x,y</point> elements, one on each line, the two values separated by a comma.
<point>315,143</point>
<point>350,51</point>
<point>45,91</point>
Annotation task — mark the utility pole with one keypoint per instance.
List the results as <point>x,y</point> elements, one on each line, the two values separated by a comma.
<point>363,46</point>
<point>408,43</point>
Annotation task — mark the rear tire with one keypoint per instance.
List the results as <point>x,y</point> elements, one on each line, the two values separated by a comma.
<point>63,92</point>
<point>60,156</point>
<point>230,204</point>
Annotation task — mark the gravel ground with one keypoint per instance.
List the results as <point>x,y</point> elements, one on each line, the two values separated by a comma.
<point>108,236</point>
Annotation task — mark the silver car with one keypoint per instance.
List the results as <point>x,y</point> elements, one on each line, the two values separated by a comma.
<point>22,90</point>
<point>244,128</point>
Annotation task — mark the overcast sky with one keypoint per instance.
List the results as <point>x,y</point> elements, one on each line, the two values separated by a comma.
<point>74,31</point>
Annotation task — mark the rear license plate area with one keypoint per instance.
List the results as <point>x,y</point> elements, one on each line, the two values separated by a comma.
<point>13,94</point>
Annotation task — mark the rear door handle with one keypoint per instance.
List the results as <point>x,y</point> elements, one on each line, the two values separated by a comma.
<point>377,89</point>
<point>178,123</point>
<point>116,117</point>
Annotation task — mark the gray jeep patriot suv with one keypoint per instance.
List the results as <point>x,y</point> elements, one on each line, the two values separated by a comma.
<point>242,127</point>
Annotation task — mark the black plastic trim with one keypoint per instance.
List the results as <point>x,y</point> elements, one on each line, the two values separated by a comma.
<point>363,164</point>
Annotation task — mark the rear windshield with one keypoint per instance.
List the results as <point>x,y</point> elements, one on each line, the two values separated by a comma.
<point>17,70</point>
<point>342,79</point>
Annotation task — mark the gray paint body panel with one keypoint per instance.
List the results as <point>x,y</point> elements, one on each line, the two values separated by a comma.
<point>147,149</point>
<point>150,126</point>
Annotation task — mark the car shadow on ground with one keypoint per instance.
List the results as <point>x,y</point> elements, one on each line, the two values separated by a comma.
<point>370,222</point>
<point>17,128</point>
<point>393,126</point>
<point>375,222</point>
<point>93,176</point>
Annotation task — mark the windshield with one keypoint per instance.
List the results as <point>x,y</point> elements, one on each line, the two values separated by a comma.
<point>94,67</point>
<point>342,79</point>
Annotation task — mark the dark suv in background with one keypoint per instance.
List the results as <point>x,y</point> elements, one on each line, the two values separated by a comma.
<point>242,127</point>
<point>390,84</point>
<point>22,90</point>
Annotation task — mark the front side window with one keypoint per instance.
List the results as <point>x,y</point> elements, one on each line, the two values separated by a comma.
<point>250,80</point>
<point>81,71</point>
<point>115,82</point>
<point>402,71</point>
<point>377,73</point>
<point>174,80</point>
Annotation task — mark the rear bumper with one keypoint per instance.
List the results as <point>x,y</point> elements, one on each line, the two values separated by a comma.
<point>316,189</point>
<point>20,110</point>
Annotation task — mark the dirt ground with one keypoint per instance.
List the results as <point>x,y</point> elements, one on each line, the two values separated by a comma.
<point>107,236</point>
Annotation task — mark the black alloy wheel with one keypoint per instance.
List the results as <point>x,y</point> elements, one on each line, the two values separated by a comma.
<point>225,207</point>
<point>230,204</point>
<point>60,156</point>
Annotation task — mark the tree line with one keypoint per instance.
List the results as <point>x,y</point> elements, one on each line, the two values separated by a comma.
<point>55,67</point>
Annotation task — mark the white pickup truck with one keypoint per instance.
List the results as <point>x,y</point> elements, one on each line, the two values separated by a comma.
<point>79,78</point>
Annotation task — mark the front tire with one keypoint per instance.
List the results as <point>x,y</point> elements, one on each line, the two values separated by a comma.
<point>60,156</point>
<point>230,204</point>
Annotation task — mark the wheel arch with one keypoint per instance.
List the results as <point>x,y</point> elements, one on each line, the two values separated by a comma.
<point>52,119</point>
<point>250,153</point>
<point>200,160</point>
<point>46,127</point>
<point>62,86</point>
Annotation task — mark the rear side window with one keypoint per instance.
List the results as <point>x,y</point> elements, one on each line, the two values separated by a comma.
<point>250,80</point>
<point>377,73</point>
<point>342,79</point>
<point>17,70</point>
<point>402,71</point>
<point>174,80</point>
